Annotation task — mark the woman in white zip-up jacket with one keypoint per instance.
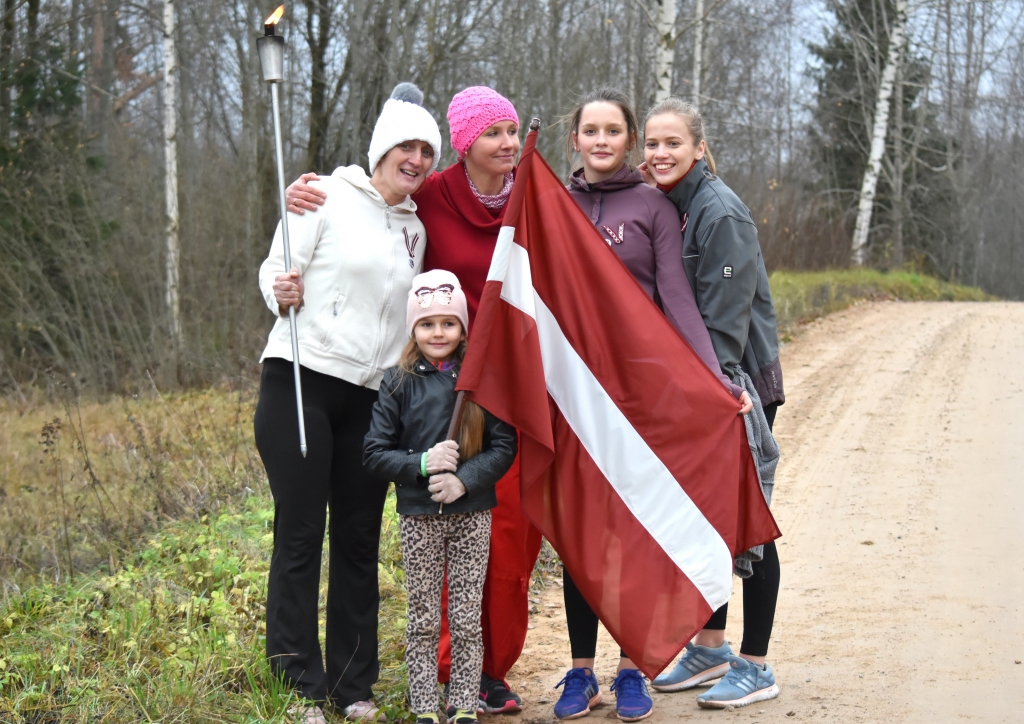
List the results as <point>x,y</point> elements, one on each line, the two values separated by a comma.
<point>351,270</point>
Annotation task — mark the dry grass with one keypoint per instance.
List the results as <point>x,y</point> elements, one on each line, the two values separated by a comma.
<point>82,481</point>
<point>136,537</point>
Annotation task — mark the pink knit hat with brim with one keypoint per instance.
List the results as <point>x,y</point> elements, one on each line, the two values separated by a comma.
<point>436,293</point>
<point>474,110</point>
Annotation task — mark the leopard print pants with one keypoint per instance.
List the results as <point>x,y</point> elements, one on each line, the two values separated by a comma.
<point>462,541</point>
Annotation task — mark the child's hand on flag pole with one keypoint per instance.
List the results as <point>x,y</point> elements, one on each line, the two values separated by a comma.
<point>443,457</point>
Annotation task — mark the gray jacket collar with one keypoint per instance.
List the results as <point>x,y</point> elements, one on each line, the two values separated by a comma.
<point>684,191</point>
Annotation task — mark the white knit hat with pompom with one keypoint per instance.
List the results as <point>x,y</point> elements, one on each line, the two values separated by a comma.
<point>404,119</point>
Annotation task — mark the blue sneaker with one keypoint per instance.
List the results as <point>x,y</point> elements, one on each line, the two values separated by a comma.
<point>745,683</point>
<point>697,665</point>
<point>580,693</point>
<point>632,700</point>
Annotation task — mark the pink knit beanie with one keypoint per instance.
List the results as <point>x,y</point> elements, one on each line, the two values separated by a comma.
<point>436,293</point>
<point>474,110</point>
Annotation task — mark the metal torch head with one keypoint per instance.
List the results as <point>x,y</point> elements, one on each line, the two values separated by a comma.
<point>271,51</point>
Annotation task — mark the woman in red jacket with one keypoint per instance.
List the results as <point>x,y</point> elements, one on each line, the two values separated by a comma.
<point>462,209</point>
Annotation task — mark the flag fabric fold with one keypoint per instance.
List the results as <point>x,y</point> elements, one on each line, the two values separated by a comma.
<point>634,462</point>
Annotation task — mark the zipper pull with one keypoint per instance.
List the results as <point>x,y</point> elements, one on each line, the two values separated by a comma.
<point>387,214</point>
<point>440,509</point>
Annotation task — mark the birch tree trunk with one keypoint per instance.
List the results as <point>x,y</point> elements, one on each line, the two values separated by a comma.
<point>171,174</point>
<point>867,189</point>
<point>698,52</point>
<point>664,54</point>
<point>897,176</point>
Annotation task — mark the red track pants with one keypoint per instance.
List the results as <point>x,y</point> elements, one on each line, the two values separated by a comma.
<point>515,545</point>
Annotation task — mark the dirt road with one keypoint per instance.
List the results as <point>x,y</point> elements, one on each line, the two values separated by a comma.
<point>901,498</point>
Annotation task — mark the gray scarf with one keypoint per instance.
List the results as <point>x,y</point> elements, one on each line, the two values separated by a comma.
<point>766,457</point>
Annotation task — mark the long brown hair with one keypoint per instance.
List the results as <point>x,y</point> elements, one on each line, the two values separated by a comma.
<point>693,119</point>
<point>471,427</point>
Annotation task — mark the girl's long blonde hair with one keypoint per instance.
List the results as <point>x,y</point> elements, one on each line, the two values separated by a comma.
<point>471,427</point>
<point>693,119</point>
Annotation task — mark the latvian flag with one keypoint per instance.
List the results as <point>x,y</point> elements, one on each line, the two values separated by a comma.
<point>635,463</point>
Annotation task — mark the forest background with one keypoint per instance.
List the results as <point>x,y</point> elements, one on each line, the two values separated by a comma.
<point>101,277</point>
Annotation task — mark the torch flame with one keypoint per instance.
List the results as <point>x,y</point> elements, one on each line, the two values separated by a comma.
<point>275,16</point>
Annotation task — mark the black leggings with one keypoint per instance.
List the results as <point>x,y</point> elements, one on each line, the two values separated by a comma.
<point>337,415</point>
<point>581,620</point>
<point>760,593</point>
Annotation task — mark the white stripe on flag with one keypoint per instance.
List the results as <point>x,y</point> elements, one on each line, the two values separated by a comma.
<point>635,472</point>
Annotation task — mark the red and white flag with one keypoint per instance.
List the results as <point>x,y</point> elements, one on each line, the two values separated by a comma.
<point>634,462</point>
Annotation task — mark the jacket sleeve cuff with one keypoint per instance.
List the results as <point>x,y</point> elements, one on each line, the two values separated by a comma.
<point>408,472</point>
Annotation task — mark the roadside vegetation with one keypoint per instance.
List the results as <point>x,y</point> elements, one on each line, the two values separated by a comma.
<point>135,537</point>
<point>805,295</point>
<point>174,635</point>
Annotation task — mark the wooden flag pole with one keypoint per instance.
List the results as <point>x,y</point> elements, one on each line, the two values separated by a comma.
<point>460,405</point>
<point>460,398</point>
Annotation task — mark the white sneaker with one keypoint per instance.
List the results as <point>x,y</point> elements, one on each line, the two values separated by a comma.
<point>307,715</point>
<point>363,711</point>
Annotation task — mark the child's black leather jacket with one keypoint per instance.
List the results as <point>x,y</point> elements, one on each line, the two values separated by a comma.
<point>412,415</point>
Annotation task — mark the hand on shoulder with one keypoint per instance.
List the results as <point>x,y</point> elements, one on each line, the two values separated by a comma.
<point>302,197</point>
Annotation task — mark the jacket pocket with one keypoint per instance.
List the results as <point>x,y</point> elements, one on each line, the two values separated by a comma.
<point>348,331</point>
<point>323,323</point>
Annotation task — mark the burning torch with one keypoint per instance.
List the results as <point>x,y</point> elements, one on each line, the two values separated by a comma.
<point>271,51</point>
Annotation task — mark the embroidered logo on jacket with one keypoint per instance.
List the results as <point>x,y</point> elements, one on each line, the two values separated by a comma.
<point>617,238</point>
<point>410,246</point>
<point>727,272</point>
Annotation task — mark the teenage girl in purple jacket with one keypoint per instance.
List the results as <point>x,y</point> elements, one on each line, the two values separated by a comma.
<point>642,226</point>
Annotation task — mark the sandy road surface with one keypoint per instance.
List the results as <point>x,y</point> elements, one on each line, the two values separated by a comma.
<point>901,499</point>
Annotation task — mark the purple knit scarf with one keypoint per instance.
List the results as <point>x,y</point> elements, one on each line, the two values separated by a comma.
<point>499,199</point>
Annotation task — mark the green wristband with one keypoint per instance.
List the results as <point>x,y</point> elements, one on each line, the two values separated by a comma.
<point>423,465</point>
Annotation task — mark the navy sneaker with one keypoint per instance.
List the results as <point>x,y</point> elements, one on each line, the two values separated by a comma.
<point>581,692</point>
<point>497,697</point>
<point>698,665</point>
<point>745,684</point>
<point>632,700</point>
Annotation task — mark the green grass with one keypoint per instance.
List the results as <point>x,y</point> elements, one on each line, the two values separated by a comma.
<point>176,635</point>
<point>802,296</point>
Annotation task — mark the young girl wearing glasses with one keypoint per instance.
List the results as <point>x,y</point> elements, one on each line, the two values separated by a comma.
<point>445,492</point>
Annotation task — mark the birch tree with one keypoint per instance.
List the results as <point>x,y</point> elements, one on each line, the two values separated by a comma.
<point>665,53</point>
<point>663,20</point>
<point>897,37</point>
<point>172,250</point>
